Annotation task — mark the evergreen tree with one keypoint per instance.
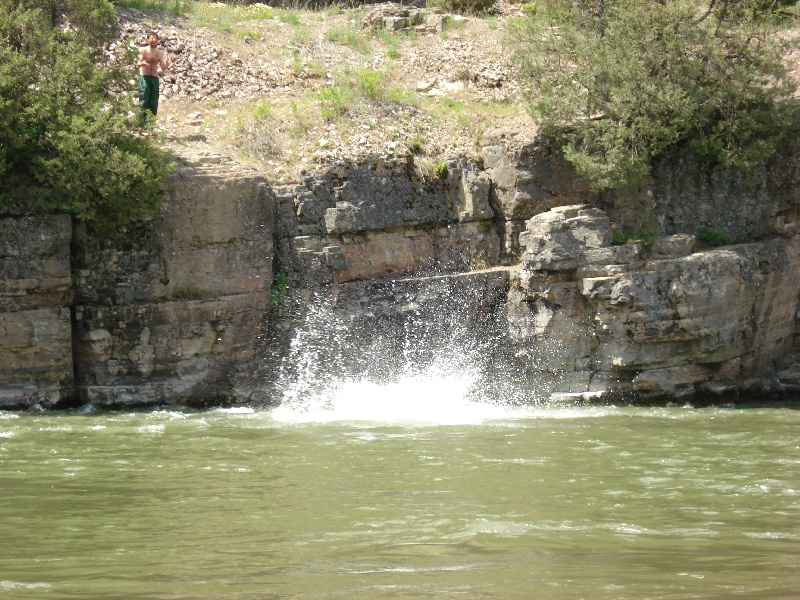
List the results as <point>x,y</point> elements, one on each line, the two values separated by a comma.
<point>617,82</point>
<point>66,140</point>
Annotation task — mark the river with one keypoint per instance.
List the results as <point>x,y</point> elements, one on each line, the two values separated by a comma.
<point>391,492</point>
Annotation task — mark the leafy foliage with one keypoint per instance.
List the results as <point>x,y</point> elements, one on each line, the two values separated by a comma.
<point>66,142</point>
<point>279,290</point>
<point>334,100</point>
<point>619,81</point>
<point>464,6</point>
<point>712,237</point>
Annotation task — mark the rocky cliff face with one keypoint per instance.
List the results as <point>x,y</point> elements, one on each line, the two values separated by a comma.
<point>168,312</point>
<point>510,255</point>
<point>625,323</point>
<point>35,339</point>
<point>380,217</point>
<point>163,312</point>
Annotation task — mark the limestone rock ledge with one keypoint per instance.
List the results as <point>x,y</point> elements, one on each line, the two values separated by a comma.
<point>167,311</point>
<point>380,217</point>
<point>669,323</point>
<point>35,339</point>
<point>176,352</point>
<point>162,311</point>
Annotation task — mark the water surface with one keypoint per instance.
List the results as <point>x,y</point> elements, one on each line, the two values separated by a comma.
<point>416,495</point>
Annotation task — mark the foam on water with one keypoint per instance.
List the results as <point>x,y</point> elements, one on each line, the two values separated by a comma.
<point>421,400</point>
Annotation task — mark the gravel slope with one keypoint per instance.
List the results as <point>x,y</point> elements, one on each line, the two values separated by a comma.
<point>256,87</point>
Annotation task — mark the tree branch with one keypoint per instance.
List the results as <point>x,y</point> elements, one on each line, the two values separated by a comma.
<point>708,12</point>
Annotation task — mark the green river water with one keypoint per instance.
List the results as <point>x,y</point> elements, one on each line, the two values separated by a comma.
<point>401,497</point>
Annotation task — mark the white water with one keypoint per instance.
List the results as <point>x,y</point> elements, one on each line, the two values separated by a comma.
<point>413,399</point>
<point>433,397</point>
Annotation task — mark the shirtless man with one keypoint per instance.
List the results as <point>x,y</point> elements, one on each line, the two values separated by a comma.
<point>150,59</point>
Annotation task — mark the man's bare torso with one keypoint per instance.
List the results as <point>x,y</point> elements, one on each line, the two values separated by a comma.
<point>150,58</point>
<point>148,61</point>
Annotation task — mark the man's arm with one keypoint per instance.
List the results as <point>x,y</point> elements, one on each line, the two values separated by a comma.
<point>165,61</point>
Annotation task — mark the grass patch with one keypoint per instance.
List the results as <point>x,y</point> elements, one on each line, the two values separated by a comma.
<point>453,105</point>
<point>249,33</point>
<point>354,15</point>
<point>347,36</point>
<point>400,95</point>
<point>262,111</point>
<point>301,37</point>
<point>225,18</point>
<point>335,100</point>
<point>258,138</point>
<point>290,17</point>
<point>300,125</point>
<point>179,8</point>
<point>453,24</point>
<point>371,83</point>
<point>416,146</point>
<point>331,10</point>
<point>393,39</point>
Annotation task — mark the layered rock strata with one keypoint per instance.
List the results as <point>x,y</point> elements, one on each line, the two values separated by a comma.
<point>629,323</point>
<point>168,311</point>
<point>380,218</point>
<point>35,339</point>
<point>235,290</point>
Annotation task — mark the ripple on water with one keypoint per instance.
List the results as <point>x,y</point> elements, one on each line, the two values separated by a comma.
<point>237,410</point>
<point>20,585</point>
<point>772,535</point>
<point>151,429</point>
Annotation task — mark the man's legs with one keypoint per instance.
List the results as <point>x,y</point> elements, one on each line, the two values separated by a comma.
<point>148,97</point>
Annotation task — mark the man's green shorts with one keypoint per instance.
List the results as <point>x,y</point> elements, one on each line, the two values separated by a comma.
<point>148,93</point>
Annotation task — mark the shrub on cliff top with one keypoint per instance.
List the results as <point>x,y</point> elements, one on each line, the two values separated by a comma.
<point>66,141</point>
<point>619,81</point>
<point>470,7</point>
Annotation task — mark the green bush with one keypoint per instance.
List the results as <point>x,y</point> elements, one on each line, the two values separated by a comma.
<point>334,100</point>
<point>371,83</point>
<point>624,237</point>
<point>708,236</point>
<point>66,142</point>
<point>617,82</point>
<point>279,290</point>
<point>472,7</point>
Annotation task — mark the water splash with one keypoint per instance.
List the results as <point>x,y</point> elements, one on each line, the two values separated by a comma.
<point>407,351</point>
<point>432,397</point>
